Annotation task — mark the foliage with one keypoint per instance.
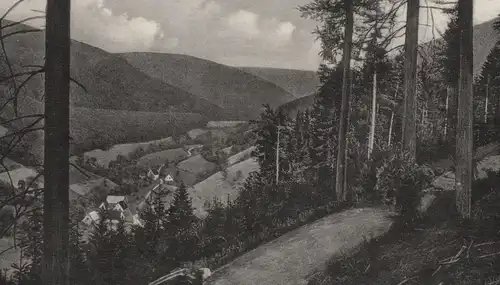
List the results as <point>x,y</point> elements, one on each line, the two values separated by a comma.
<point>449,57</point>
<point>400,182</point>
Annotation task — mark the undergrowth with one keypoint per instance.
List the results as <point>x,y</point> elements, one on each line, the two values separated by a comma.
<point>438,249</point>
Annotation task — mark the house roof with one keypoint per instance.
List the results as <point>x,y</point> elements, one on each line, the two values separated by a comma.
<point>114,199</point>
<point>94,215</point>
<point>123,205</point>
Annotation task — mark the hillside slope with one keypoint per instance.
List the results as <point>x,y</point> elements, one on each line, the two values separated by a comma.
<point>485,38</point>
<point>111,82</point>
<point>297,82</point>
<point>236,91</point>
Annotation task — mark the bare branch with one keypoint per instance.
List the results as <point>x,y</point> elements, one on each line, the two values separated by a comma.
<point>23,21</point>
<point>79,169</point>
<point>10,9</point>
<point>78,83</point>
<point>19,32</point>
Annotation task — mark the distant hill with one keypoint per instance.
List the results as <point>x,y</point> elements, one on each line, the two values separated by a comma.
<point>101,128</point>
<point>297,82</point>
<point>239,93</point>
<point>120,103</point>
<point>485,38</point>
<point>111,82</point>
<point>300,104</point>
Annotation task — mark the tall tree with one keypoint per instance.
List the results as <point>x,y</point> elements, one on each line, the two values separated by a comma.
<point>410,80</point>
<point>340,184</point>
<point>181,221</point>
<point>463,178</point>
<point>449,58</point>
<point>55,269</point>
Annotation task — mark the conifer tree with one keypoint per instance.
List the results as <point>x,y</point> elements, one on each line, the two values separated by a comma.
<point>102,263</point>
<point>449,58</point>
<point>181,222</point>
<point>181,211</point>
<point>266,143</point>
<point>79,270</point>
<point>491,69</point>
<point>31,241</point>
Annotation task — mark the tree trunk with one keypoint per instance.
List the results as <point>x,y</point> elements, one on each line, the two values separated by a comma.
<point>371,138</point>
<point>446,114</point>
<point>452,113</point>
<point>390,129</point>
<point>410,79</point>
<point>464,147</point>
<point>497,119</point>
<point>486,100</point>
<point>340,184</point>
<point>55,270</point>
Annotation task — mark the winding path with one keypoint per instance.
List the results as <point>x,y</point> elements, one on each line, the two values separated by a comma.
<point>291,258</point>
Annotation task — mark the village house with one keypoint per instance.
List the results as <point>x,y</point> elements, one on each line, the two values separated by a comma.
<point>117,209</point>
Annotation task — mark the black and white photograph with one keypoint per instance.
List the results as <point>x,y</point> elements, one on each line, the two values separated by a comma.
<point>264,142</point>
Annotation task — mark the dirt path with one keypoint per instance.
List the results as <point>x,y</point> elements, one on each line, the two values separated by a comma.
<point>289,259</point>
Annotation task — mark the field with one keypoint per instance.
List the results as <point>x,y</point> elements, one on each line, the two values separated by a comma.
<point>217,186</point>
<point>158,158</point>
<point>197,165</point>
<point>193,134</point>
<point>16,175</point>
<point>9,165</point>
<point>240,156</point>
<point>225,124</point>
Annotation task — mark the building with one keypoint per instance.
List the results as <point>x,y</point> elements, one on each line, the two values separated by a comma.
<point>118,203</point>
<point>117,210</point>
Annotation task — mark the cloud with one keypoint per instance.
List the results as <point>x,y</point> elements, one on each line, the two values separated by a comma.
<point>246,25</point>
<point>96,24</point>
<point>285,30</point>
<point>244,22</point>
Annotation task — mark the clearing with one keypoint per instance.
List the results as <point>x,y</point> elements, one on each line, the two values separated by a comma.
<point>217,186</point>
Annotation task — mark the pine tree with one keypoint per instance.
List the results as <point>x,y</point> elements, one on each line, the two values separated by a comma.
<point>79,271</point>
<point>490,69</point>
<point>449,58</point>
<point>31,241</point>
<point>181,223</point>
<point>214,230</point>
<point>266,143</point>
<point>323,130</point>
<point>410,79</point>
<point>181,211</point>
<point>464,149</point>
<point>102,252</point>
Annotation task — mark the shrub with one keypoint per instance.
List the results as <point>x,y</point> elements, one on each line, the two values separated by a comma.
<point>400,181</point>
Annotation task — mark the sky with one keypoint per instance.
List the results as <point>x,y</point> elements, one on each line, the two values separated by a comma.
<point>267,33</point>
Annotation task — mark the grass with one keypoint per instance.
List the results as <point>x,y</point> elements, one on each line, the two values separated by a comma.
<point>240,156</point>
<point>197,165</point>
<point>217,186</point>
<point>438,249</point>
<point>158,158</point>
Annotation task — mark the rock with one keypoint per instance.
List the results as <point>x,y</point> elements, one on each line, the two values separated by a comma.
<point>445,182</point>
<point>491,163</point>
<point>425,202</point>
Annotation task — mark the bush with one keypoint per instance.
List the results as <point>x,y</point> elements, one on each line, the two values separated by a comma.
<point>400,182</point>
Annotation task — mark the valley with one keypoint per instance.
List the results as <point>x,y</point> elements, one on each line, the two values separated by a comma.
<point>219,170</point>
